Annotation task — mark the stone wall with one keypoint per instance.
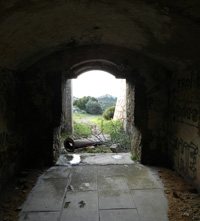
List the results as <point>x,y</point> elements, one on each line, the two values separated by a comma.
<point>147,114</point>
<point>67,115</point>
<point>184,124</point>
<point>42,106</point>
<point>155,146</point>
<point>130,123</point>
<point>12,148</point>
<point>120,109</point>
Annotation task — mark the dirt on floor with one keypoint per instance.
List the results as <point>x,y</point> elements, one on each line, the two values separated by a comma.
<point>184,201</point>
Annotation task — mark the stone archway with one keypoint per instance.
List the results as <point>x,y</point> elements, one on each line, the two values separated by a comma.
<point>144,117</point>
<point>112,68</point>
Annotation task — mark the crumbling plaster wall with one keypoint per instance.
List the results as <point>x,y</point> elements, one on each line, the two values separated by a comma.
<point>184,123</point>
<point>12,142</point>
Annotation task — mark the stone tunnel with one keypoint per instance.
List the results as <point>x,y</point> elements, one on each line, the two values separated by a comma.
<point>154,45</point>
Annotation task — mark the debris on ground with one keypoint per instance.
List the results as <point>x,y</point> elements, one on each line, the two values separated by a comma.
<point>184,200</point>
<point>82,204</point>
<point>66,205</point>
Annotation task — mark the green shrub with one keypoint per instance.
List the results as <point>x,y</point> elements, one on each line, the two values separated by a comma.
<point>109,113</point>
<point>93,107</point>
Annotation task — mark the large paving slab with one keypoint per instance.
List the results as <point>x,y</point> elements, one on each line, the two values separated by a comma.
<point>40,216</point>
<point>151,204</point>
<point>137,175</point>
<point>79,206</point>
<point>97,192</point>
<point>84,178</point>
<point>48,195</point>
<point>140,178</point>
<point>119,215</point>
<point>106,159</point>
<point>57,172</point>
<point>114,193</point>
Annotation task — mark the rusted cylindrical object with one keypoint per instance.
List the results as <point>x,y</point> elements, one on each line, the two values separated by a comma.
<point>70,144</point>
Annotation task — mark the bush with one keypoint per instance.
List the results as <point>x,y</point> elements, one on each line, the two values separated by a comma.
<point>81,103</point>
<point>109,113</point>
<point>93,107</point>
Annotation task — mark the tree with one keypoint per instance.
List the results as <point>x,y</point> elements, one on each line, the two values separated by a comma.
<point>93,107</point>
<point>81,103</point>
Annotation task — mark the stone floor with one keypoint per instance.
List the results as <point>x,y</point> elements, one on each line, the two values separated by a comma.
<point>97,192</point>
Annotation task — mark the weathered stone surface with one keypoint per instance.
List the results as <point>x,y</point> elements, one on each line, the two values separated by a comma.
<point>184,140</point>
<point>40,216</point>
<point>118,215</point>
<point>82,206</point>
<point>88,179</point>
<point>120,109</point>
<point>60,197</point>
<point>129,22</point>
<point>148,201</point>
<point>114,193</point>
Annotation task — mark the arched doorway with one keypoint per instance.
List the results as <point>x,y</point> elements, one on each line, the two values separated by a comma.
<point>103,66</point>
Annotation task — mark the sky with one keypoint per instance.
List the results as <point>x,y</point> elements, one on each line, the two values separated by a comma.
<point>95,84</point>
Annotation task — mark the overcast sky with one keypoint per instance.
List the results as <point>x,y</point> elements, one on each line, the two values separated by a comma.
<point>96,84</point>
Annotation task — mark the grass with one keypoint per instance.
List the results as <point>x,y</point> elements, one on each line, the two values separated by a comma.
<point>134,158</point>
<point>82,129</point>
<point>78,116</point>
<point>108,126</point>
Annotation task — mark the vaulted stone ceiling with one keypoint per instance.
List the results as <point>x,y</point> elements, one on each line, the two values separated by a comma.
<point>167,31</point>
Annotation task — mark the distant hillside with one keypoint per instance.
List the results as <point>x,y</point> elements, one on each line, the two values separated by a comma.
<point>106,101</point>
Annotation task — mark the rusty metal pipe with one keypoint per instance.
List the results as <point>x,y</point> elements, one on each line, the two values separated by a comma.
<point>70,144</point>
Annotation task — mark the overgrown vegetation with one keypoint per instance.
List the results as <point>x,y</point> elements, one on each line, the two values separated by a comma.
<point>134,157</point>
<point>82,129</point>
<point>109,113</point>
<point>100,149</point>
<point>106,126</point>
<point>97,126</point>
<point>116,131</point>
